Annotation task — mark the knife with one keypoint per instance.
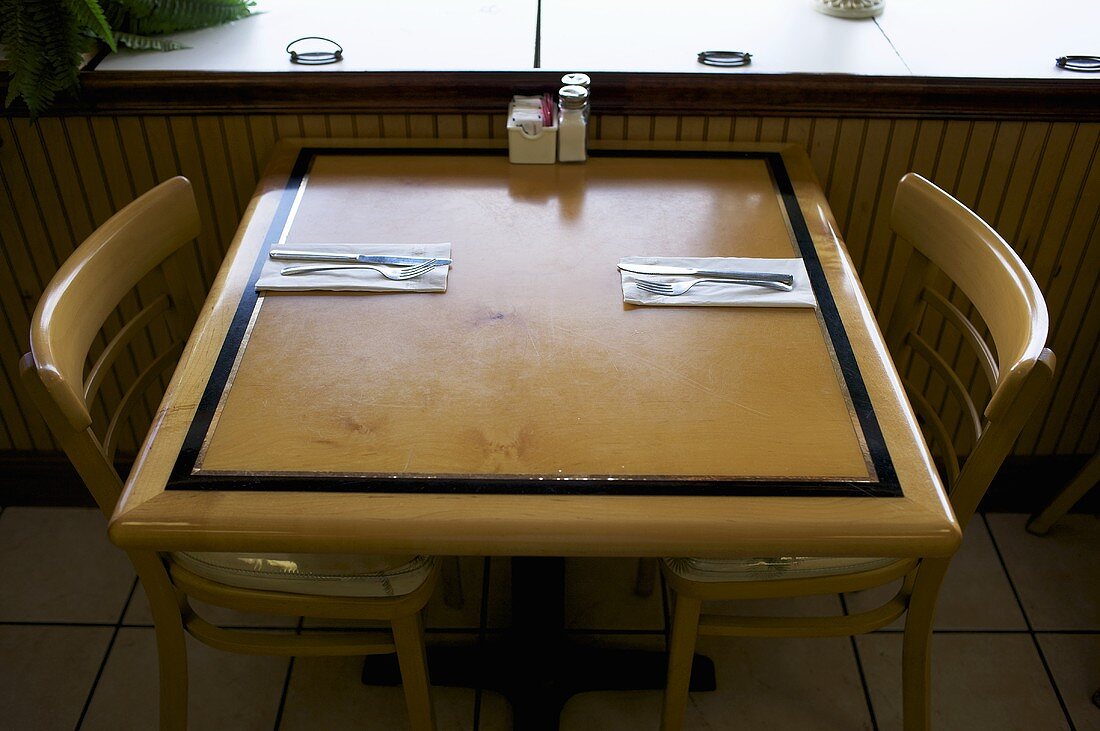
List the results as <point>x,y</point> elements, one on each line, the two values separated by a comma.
<point>787,279</point>
<point>397,261</point>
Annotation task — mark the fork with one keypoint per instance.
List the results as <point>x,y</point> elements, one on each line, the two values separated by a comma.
<point>395,273</point>
<point>675,289</point>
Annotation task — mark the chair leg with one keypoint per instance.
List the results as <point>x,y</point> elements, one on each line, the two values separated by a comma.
<point>408,637</point>
<point>172,665</point>
<point>916,661</point>
<point>681,651</point>
<point>167,606</point>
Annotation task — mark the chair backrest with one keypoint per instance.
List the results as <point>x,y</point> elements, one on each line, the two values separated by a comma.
<point>144,237</point>
<point>948,237</point>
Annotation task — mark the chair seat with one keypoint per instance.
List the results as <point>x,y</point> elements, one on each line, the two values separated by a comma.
<point>763,569</point>
<point>348,575</point>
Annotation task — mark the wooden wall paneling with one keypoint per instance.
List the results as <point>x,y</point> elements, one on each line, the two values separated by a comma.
<point>666,129</point>
<point>423,126</point>
<point>241,156</point>
<point>897,161</point>
<point>745,129</point>
<point>262,134</point>
<point>188,163</point>
<point>866,187</point>
<point>1089,440</point>
<point>288,125</point>
<point>213,156</point>
<point>639,128</point>
<point>479,126</point>
<point>370,125</point>
<point>1086,439</point>
<point>396,125</point>
<point>692,129</point>
<point>772,129</point>
<point>842,174</point>
<point>1039,251</point>
<point>719,129</point>
<point>33,262</point>
<point>164,158</point>
<point>450,126</point>
<point>611,127</point>
<point>315,125</point>
<point>498,126</point>
<point>16,430</point>
<point>1072,409</point>
<point>799,131</point>
<point>1073,309</point>
<point>921,153</point>
<point>340,125</point>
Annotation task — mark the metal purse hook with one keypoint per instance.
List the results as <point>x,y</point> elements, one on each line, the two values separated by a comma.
<point>1087,64</point>
<point>315,58</point>
<point>725,58</point>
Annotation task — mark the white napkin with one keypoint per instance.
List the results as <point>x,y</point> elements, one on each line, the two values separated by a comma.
<point>355,280</point>
<point>707,294</point>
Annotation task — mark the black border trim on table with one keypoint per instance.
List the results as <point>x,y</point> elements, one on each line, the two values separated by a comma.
<point>886,484</point>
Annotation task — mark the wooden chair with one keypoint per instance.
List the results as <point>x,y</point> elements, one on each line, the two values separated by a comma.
<point>988,272</point>
<point>143,242</point>
<point>1084,481</point>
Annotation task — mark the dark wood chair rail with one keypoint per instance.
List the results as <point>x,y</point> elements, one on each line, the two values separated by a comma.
<point>480,92</point>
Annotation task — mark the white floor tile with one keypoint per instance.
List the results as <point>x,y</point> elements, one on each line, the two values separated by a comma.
<point>1074,660</point>
<point>326,693</point>
<point>59,567</point>
<point>979,681</point>
<point>46,674</point>
<point>975,595</point>
<point>226,690</point>
<point>763,683</point>
<point>1055,574</point>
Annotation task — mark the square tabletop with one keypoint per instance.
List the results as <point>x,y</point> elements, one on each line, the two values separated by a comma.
<point>527,409</point>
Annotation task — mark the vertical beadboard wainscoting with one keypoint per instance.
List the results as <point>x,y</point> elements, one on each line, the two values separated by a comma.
<point>1038,183</point>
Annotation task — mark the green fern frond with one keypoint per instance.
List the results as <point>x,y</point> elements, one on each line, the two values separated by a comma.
<point>148,43</point>
<point>90,16</point>
<point>134,8</point>
<point>171,16</point>
<point>44,40</point>
<point>44,44</point>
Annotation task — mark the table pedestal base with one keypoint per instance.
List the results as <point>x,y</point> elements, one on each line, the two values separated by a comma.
<point>537,687</point>
<point>534,665</point>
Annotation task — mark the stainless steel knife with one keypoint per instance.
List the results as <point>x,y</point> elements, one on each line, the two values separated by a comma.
<point>785,279</point>
<point>397,261</point>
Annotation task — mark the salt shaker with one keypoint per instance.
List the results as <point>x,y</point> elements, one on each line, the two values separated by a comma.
<point>572,123</point>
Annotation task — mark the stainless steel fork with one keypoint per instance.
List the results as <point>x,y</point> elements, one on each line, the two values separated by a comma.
<point>675,289</point>
<point>395,273</point>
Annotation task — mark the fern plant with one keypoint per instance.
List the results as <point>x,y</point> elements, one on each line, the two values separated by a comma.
<point>45,40</point>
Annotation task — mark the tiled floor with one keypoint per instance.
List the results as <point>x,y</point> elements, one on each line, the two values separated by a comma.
<point>1017,646</point>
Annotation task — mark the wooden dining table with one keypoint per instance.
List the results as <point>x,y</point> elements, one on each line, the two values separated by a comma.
<point>528,411</point>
